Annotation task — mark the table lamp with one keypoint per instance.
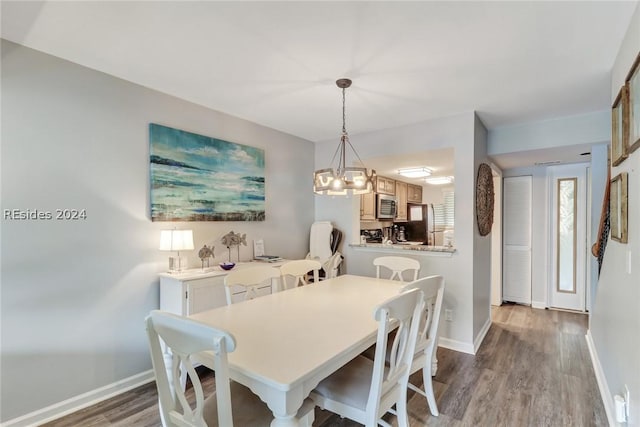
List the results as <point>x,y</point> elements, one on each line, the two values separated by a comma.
<point>176,240</point>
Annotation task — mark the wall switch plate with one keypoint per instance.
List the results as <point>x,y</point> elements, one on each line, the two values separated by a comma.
<point>448,315</point>
<point>620,409</point>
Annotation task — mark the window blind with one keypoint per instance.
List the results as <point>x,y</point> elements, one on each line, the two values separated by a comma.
<point>444,213</point>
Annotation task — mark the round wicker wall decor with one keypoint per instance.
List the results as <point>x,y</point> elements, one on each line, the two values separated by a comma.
<point>484,199</point>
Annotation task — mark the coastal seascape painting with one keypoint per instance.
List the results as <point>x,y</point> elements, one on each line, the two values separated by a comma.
<point>199,178</point>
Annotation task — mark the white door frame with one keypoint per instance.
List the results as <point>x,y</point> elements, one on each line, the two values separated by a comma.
<point>496,239</point>
<point>559,299</point>
<point>587,281</point>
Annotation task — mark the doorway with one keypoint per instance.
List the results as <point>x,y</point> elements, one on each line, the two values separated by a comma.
<point>568,220</point>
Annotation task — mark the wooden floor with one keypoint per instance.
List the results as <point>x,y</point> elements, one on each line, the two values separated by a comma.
<point>533,369</point>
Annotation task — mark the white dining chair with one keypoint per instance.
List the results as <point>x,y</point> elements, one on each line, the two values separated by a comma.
<point>250,279</point>
<point>298,270</point>
<point>231,403</point>
<point>364,390</point>
<point>398,265</point>
<point>432,288</point>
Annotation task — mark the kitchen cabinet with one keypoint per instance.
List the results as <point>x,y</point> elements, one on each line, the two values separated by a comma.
<point>368,207</point>
<point>386,186</point>
<point>414,193</point>
<point>401,196</point>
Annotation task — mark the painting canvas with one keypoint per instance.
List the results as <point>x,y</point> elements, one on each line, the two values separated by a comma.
<point>618,207</point>
<point>633,84</point>
<point>199,178</point>
<point>620,127</point>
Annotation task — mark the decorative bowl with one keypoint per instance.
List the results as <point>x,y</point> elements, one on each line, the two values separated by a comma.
<point>227,265</point>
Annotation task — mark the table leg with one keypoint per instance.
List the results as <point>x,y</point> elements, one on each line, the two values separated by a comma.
<point>289,408</point>
<point>278,284</point>
<point>285,421</point>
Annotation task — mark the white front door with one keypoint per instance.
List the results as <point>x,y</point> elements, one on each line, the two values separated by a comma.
<point>568,236</point>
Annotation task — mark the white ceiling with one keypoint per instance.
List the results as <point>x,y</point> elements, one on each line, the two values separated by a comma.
<point>441,163</point>
<point>275,63</point>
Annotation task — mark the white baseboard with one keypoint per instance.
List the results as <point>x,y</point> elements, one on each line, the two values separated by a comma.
<point>538,304</point>
<point>483,332</point>
<point>76,403</point>
<point>607,400</point>
<point>465,347</point>
<point>455,345</point>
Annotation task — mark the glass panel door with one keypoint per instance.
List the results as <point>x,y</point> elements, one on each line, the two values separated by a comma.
<point>566,238</point>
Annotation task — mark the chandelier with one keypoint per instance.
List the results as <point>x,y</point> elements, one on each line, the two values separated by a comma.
<point>343,180</point>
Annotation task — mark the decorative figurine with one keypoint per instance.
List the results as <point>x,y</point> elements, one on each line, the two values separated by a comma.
<point>231,240</point>
<point>205,253</point>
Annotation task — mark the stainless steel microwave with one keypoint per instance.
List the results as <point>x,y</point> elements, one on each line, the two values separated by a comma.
<point>386,207</point>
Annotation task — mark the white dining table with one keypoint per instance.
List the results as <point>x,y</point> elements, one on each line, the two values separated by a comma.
<point>287,342</point>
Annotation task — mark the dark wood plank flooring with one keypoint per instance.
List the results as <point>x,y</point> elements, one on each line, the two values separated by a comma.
<point>533,369</point>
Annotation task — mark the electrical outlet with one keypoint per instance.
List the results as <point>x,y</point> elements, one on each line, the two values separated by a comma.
<point>448,315</point>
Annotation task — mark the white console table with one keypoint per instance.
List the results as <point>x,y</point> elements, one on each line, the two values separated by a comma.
<point>195,290</point>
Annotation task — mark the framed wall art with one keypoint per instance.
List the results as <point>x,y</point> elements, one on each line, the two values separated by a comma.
<point>620,127</point>
<point>199,178</point>
<point>484,199</point>
<point>618,207</point>
<point>633,85</point>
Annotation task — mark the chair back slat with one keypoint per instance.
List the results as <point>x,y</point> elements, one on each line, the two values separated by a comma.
<point>398,265</point>
<point>433,290</point>
<point>249,278</point>
<point>426,343</point>
<point>403,312</point>
<point>298,269</point>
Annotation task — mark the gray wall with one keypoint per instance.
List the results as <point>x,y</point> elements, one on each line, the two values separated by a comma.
<point>481,245</point>
<point>74,294</point>
<point>589,128</point>
<point>615,317</point>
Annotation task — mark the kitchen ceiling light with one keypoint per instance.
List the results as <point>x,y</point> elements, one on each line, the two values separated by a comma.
<point>343,180</point>
<point>439,180</point>
<point>415,172</point>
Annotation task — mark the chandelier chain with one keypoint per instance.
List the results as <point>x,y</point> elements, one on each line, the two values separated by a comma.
<point>344,180</point>
<point>344,113</point>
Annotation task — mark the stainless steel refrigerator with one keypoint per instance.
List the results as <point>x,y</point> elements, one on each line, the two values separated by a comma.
<point>420,226</point>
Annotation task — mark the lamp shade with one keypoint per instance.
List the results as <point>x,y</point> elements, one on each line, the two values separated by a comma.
<point>176,240</point>
<point>348,180</point>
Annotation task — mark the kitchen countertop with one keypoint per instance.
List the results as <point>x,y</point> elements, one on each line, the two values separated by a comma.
<point>406,246</point>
